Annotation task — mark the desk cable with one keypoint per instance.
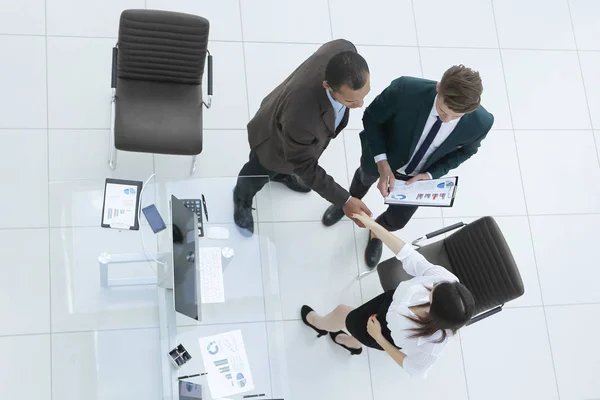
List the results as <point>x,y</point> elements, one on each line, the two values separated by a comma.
<point>148,255</point>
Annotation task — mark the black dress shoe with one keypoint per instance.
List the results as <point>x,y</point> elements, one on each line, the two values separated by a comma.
<point>373,252</point>
<point>304,311</point>
<point>354,352</point>
<point>293,182</point>
<point>242,215</point>
<point>332,215</point>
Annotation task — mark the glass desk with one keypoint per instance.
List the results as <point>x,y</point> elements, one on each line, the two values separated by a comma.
<point>123,320</point>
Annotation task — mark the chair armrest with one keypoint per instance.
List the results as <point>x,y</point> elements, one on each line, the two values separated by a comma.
<point>210,74</point>
<point>444,230</point>
<point>438,232</point>
<point>486,314</point>
<point>208,103</point>
<point>113,77</point>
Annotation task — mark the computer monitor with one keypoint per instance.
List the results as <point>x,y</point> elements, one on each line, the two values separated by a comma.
<point>185,249</point>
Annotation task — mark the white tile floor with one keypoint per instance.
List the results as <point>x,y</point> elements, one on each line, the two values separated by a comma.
<point>537,173</point>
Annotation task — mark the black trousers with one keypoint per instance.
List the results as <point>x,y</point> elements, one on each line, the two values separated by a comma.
<point>395,217</point>
<point>252,177</point>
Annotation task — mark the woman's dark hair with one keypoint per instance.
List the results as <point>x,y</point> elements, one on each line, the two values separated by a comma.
<point>346,68</point>
<point>451,307</point>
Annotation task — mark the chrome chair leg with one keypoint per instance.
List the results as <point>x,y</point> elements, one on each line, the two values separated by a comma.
<point>363,274</point>
<point>194,165</point>
<point>112,150</point>
<point>112,157</point>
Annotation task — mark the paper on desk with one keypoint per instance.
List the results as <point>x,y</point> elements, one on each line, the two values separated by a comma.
<point>225,359</point>
<point>433,192</point>
<point>119,205</point>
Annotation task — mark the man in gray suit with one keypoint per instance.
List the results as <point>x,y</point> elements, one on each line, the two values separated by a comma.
<point>294,125</point>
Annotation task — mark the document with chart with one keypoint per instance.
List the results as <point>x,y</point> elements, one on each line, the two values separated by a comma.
<point>225,359</point>
<point>427,193</point>
<point>121,204</point>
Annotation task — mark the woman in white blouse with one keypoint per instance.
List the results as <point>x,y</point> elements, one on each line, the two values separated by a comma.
<point>412,323</point>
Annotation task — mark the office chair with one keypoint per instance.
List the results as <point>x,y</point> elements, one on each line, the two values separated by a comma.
<point>477,254</point>
<point>157,70</point>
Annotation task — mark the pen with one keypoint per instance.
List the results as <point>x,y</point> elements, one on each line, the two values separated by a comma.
<point>253,395</point>
<point>388,185</point>
<point>205,209</point>
<point>192,376</point>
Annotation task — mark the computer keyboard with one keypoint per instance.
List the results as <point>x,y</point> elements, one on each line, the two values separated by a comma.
<point>195,205</point>
<point>212,289</point>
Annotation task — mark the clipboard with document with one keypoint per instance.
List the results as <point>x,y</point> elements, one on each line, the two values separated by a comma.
<point>426,193</point>
<point>121,204</point>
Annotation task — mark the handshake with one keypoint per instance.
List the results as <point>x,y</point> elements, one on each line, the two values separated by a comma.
<point>386,183</point>
<point>354,207</point>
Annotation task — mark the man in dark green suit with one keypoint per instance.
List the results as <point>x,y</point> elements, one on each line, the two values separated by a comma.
<point>416,129</point>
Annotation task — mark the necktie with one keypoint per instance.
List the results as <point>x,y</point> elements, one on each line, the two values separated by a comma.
<point>423,149</point>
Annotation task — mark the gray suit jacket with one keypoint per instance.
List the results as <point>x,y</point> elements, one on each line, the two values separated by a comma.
<point>295,124</point>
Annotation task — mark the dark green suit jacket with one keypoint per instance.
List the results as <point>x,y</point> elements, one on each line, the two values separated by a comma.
<point>394,121</point>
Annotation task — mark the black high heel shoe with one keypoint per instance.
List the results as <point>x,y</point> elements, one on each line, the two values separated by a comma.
<point>304,313</point>
<point>352,351</point>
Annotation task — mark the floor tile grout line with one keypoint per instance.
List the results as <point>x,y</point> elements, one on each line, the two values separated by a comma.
<point>243,44</point>
<point>354,239</point>
<point>462,357</point>
<point>358,271</point>
<point>244,129</point>
<point>556,305</point>
<point>266,321</point>
<point>527,214</point>
<point>464,365</point>
<point>48,194</point>
<point>318,220</point>
<point>411,46</point>
<point>330,19</point>
<point>414,14</point>
<point>245,61</point>
<point>585,93</point>
<point>587,101</point>
<point>261,245</point>
<point>412,4</point>
<point>318,43</point>
<point>442,216</point>
<point>535,258</point>
<point>356,246</point>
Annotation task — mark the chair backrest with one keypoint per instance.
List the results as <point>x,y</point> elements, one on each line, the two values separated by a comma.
<point>478,255</point>
<point>162,46</point>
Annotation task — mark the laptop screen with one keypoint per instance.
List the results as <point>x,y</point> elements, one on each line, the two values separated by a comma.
<point>185,273</point>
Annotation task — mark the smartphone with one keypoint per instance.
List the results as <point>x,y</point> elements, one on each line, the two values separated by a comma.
<point>154,219</point>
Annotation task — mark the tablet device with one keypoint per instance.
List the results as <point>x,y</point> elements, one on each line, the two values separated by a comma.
<point>121,204</point>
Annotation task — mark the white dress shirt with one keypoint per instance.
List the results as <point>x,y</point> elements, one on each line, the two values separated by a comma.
<point>445,131</point>
<point>339,110</point>
<point>338,107</point>
<point>421,353</point>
